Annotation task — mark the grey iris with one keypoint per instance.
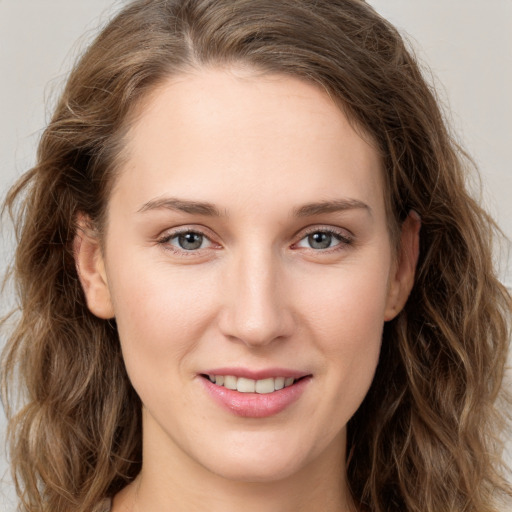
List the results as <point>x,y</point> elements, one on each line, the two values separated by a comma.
<point>190,241</point>
<point>320,240</point>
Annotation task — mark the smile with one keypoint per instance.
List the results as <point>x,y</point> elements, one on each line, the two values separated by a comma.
<point>255,398</point>
<point>245,385</point>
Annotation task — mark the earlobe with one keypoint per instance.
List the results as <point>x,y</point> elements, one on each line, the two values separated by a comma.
<point>402,280</point>
<point>90,267</point>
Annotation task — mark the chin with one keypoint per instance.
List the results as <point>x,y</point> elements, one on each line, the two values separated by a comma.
<point>264,472</point>
<point>257,464</point>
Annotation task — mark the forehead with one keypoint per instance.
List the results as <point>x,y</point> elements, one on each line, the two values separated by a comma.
<point>222,135</point>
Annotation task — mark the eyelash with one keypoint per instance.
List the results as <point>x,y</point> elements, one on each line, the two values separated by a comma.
<point>164,241</point>
<point>344,240</point>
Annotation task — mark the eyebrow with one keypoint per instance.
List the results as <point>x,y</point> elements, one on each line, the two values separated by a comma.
<point>210,210</point>
<point>311,209</point>
<point>182,205</point>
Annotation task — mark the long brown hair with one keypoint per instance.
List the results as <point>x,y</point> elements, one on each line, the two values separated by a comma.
<point>427,436</point>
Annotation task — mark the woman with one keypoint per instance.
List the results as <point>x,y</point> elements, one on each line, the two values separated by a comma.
<point>250,275</point>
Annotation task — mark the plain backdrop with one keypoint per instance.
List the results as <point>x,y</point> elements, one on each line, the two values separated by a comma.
<point>466,43</point>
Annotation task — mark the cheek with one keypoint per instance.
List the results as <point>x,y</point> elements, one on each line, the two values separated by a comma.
<point>161,313</point>
<point>351,336</point>
<point>345,318</point>
<point>345,307</point>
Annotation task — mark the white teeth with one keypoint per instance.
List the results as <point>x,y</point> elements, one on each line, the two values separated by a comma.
<point>265,385</point>
<point>244,385</point>
<point>230,382</point>
<point>279,383</point>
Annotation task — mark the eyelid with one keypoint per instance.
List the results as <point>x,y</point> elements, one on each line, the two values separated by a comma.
<point>345,237</point>
<point>169,234</point>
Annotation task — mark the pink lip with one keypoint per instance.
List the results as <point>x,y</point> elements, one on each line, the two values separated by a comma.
<point>255,405</point>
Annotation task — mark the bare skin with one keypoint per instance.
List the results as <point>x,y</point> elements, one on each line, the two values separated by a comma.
<point>247,230</point>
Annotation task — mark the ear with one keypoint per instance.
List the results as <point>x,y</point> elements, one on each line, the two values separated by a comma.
<point>90,267</point>
<point>402,278</point>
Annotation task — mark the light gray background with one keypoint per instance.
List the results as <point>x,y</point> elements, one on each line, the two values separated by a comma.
<point>466,43</point>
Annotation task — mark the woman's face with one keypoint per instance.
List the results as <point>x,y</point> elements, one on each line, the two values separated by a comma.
<point>247,240</point>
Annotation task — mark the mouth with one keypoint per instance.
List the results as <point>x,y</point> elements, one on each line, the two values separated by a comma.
<point>255,398</point>
<point>246,385</point>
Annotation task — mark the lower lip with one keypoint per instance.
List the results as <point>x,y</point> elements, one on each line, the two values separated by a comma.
<point>256,405</point>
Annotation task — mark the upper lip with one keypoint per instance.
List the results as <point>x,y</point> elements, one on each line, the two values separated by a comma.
<point>257,374</point>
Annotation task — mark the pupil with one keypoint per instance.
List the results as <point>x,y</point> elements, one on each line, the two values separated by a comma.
<point>320,240</point>
<point>190,241</point>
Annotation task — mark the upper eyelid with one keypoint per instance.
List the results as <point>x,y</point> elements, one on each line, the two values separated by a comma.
<point>342,232</point>
<point>172,232</point>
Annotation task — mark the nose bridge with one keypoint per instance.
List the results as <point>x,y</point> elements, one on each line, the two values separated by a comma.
<point>255,308</point>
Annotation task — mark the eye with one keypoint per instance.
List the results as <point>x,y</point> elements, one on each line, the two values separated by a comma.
<point>187,241</point>
<point>322,239</point>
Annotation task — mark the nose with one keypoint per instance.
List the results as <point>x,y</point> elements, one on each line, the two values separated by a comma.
<point>257,310</point>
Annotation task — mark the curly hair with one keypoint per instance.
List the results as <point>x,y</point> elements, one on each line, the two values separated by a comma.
<point>427,436</point>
